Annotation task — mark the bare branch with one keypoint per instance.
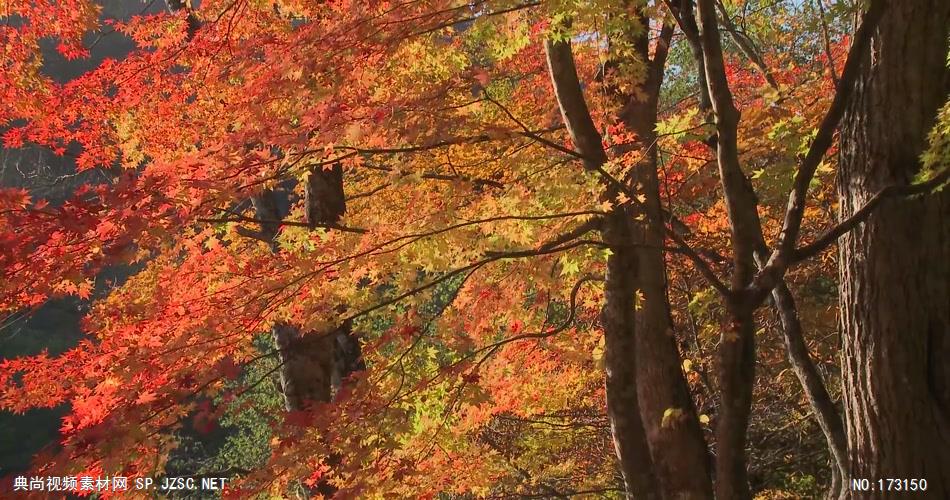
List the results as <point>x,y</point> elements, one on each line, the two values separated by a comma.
<point>831,235</point>
<point>741,204</point>
<point>491,349</point>
<point>827,40</point>
<point>470,267</point>
<point>251,220</point>
<point>699,262</point>
<point>658,64</point>
<point>445,177</point>
<point>527,132</point>
<point>484,15</point>
<point>746,45</point>
<point>686,19</point>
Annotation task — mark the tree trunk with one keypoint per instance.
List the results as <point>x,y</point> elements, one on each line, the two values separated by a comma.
<point>736,377</point>
<point>312,365</point>
<point>894,268</point>
<point>784,302</point>
<point>307,365</point>
<point>324,197</point>
<point>659,458</point>
<point>617,316</point>
<point>679,451</point>
<point>620,359</point>
<point>736,353</point>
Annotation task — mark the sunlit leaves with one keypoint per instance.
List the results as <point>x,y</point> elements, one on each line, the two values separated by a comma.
<point>442,119</point>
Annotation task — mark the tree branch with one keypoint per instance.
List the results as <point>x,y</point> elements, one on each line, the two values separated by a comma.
<point>827,40</point>
<point>527,132</point>
<point>741,204</point>
<point>699,262</point>
<point>831,235</point>
<point>470,267</point>
<point>573,234</point>
<point>746,45</point>
<point>658,63</point>
<point>570,98</point>
<point>686,20</point>
<point>251,220</point>
<point>454,141</point>
<point>794,212</point>
<point>540,335</point>
<point>445,177</point>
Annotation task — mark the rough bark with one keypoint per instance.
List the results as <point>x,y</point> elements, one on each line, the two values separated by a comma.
<point>744,205</point>
<point>324,196</point>
<point>307,365</point>
<point>644,378</point>
<point>314,365</point>
<point>617,316</point>
<point>620,359</point>
<point>894,267</point>
<point>785,252</point>
<point>311,365</point>
<point>306,361</point>
<point>677,445</point>
<point>678,448</point>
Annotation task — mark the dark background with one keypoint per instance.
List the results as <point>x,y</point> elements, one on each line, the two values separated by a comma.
<point>54,326</point>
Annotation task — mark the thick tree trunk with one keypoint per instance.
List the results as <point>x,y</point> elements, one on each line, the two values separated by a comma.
<point>895,318</point>
<point>313,364</point>
<point>679,451</point>
<point>306,365</point>
<point>659,458</point>
<point>677,445</point>
<point>617,316</point>
<point>324,197</point>
<point>618,319</point>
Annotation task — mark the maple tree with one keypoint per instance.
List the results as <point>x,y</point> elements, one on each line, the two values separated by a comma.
<point>544,243</point>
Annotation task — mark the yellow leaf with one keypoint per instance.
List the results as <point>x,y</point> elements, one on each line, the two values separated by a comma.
<point>671,416</point>
<point>569,267</point>
<point>687,365</point>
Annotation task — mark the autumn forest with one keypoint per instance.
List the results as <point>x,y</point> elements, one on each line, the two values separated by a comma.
<point>505,249</point>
